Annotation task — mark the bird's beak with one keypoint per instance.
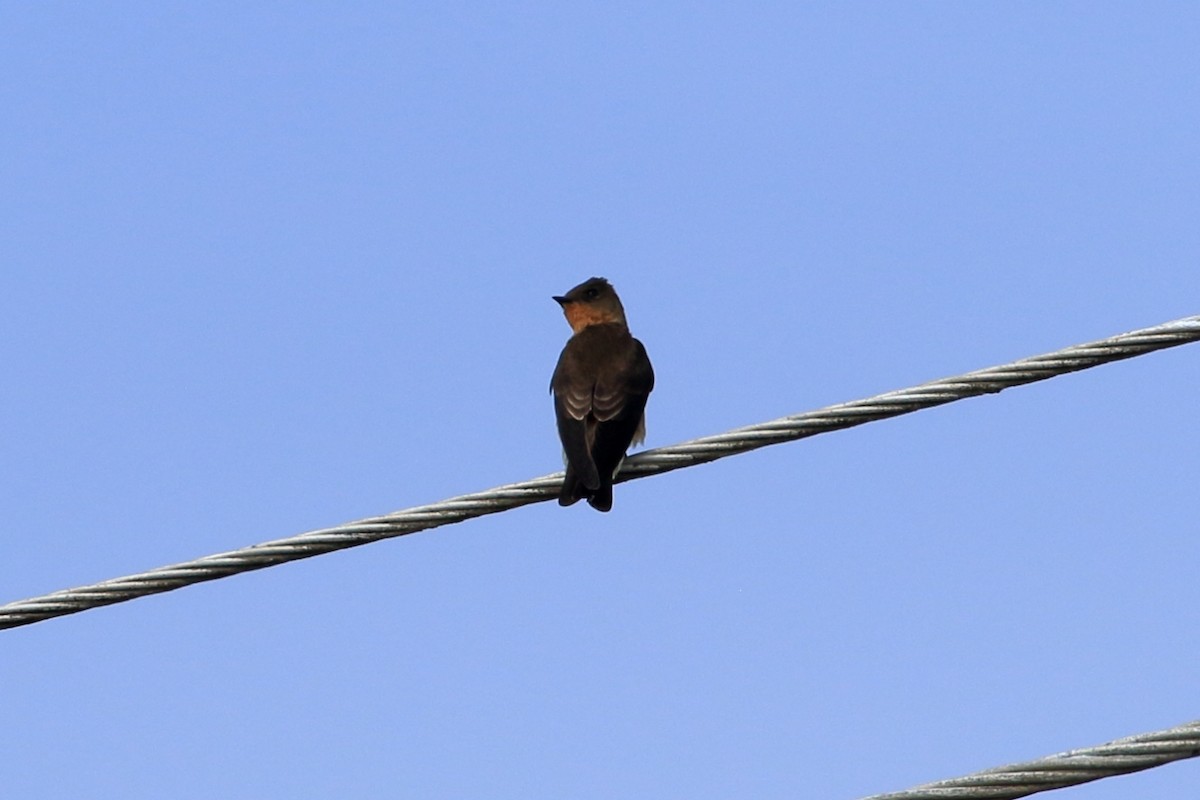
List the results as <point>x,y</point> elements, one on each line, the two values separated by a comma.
<point>562,301</point>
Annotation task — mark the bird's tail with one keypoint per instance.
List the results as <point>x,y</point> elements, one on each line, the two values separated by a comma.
<point>572,490</point>
<point>601,499</point>
<point>575,488</point>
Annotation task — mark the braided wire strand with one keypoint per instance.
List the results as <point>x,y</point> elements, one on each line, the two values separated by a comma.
<point>1120,757</point>
<point>650,462</point>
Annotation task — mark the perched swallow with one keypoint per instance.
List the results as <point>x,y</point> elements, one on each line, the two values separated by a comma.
<point>600,388</point>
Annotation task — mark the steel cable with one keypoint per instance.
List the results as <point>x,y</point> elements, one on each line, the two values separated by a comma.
<point>1071,768</point>
<point>651,462</point>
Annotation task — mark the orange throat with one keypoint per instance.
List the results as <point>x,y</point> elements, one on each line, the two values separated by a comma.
<point>580,316</point>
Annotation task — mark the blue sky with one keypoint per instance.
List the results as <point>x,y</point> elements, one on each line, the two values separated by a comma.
<point>270,267</point>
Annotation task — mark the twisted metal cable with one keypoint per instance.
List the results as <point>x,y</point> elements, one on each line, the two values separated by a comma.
<point>1071,768</point>
<point>651,462</point>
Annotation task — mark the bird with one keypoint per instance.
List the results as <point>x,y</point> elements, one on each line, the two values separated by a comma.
<point>600,386</point>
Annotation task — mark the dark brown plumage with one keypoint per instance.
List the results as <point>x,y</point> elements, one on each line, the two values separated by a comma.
<point>600,387</point>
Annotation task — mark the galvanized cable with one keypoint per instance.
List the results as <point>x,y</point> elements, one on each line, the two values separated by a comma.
<point>651,462</point>
<point>1071,768</point>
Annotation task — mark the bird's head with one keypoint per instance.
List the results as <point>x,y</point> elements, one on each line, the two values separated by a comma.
<point>593,302</point>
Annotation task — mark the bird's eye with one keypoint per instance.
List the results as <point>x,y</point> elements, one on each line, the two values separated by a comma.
<point>592,294</point>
